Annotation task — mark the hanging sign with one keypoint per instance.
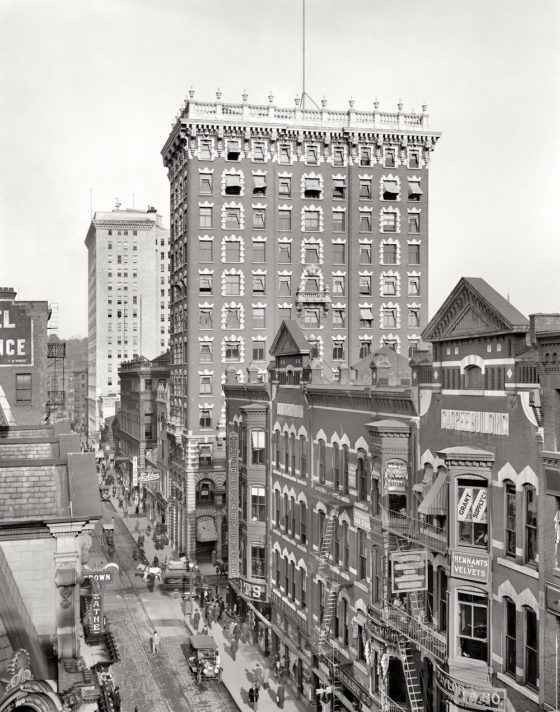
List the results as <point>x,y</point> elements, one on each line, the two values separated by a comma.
<point>233,505</point>
<point>409,571</point>
<point>96,615</point>
<point>468,696</point>
<point>396,476</point>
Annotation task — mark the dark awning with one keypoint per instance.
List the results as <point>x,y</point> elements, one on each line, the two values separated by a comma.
<point>414,189</point>
<point>435,501</point>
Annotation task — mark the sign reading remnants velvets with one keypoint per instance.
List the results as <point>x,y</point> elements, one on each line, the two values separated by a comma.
<point>473,567</point>
<point>16,344</point>
<point>409,571</point>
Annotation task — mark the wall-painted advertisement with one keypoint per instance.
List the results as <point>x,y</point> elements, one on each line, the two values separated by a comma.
<point>16,342</point>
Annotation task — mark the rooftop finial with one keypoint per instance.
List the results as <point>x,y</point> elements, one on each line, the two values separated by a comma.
<point>191,93</point>
<point>324,102</point>
<point>218,94</point>
<point>270,97</point>
<point>376,104</point>
<point>245,96</point>
<point>351,102</point>
<point>297,101</point>
<point>424,107</point>
<point>117,203</point>
<point>400,105</point>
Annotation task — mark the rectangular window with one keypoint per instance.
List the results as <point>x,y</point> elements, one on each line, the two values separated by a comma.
<point>205,217</point>
<point>338,285</point>
<point>414,254</point>
<point>258,351</point>
<point>284,219</point>
<point>365,254</point>
<point>205,184</point>
<point>339,253</point>
<point>233,251</point>
<point>232,284</point>
<point>366,318</point>
<point>530,525</point>
<point>285,187</point>
<point>413,286</point>
<point>205,353</point>
<point>205,151</point>
<point>311,254</point>
<point>23,388</point>
<point>414,160</point>
<point>284,286</point>
<point>284,253</point>
<point>259,218</point>
<point>233,351</point>
<point>311,187</point>
<point>365,189</point>
<point>259,318</point>
<point>233,151</point>
<point>338,351</point>
<point>233,184</point>
<point>233,318</point>
<point>205,283</point>
<point>472,507</point>
<point>311,220</point>
<point>365,155</point>
<point>311,318</point>
<point>531,648</point>
<point>312,155</point>
<point>365,284</point>
<point>205,419</point>
<point>339,317</point>
<point>473,626</point>
<point>389,254</point>
<point>339,188</point>
<point>365,222</point>
<point>284,156</point>
<point>205,318</point>
<point>413,223</point>
<point>389,222</point>
<point>362,554</point>
<point>258,152</point>
<point>285,313</point>
<point>257,447</point>
<point>389,158</point>
<point>206,385</point>
<point>258,499</point>
<point>338,156</point>
<point>338,220</point>
<point>414,191</point>
<point>389,318</point>
<point>365,348</point>
<point>259,284</point>
<point>259,251</point>
<point>413,318</point>
<point>259,185</point>
<point>232,219</point>
<point>390,189</point>
<point>510,518</point>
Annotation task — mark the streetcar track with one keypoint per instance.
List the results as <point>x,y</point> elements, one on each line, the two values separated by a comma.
<point>224,697</point>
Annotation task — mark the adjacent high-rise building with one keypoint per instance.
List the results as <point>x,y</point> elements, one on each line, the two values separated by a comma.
<point>318,216</point>
<point>128,296</point>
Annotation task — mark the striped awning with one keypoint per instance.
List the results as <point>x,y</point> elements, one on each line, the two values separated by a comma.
<point>435,501</point>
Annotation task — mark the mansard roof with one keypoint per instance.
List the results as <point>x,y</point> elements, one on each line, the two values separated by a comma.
<point>289,340</point>
<point>474,309</point>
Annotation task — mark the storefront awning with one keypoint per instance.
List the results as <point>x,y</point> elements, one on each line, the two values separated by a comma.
<point>206,529</point>
<point>435,501</point>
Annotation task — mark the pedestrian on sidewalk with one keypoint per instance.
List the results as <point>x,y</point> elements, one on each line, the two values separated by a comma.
<point>215,612</point>
<point>258,675</point>
<point>280,695</point>
<point>137,509</point>
<point>155,643</point>
<point>231,628</point>
<point>116,699</point>
<point>233,648</point>
<point>244,631</point>
<point>236,633</point>
<point>254,696</point>
<point>196,619</point>
<point>266,677</point>
<point>205,630</point>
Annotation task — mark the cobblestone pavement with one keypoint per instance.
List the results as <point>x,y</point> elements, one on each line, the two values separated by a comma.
<point>152,683</point>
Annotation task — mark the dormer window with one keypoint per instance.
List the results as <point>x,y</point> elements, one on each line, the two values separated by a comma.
<point>233,151</point>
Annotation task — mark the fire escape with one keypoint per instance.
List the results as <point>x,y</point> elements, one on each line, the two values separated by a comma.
<point>56,354</point>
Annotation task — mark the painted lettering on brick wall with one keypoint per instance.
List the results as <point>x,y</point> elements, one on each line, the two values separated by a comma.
<point>290,409</point>
<point>16,343</point>
<point>475,421</point>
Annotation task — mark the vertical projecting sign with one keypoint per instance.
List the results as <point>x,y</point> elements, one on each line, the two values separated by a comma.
<point>16,344</point>
<point>233,505</point>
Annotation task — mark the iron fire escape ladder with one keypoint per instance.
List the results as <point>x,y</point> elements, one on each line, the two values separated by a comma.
<point>411,676</point>
<point>415,598</point>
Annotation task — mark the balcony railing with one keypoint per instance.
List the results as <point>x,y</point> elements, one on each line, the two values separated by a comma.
<point>56,397</point>
<point>390,705</point>
<point>419,632</point>
<point>414,530</point>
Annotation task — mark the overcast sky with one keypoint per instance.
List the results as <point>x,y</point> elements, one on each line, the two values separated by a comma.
<point>88,92</point>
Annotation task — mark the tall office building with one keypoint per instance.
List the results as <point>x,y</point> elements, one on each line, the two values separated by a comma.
<point>318,216</point>
<point>128,291</point>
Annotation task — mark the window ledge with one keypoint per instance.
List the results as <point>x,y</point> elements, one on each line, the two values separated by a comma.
<point>527,570</point>
<point>523,689</point>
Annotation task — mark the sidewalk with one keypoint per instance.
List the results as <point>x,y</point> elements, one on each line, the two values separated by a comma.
<point>238,674</point>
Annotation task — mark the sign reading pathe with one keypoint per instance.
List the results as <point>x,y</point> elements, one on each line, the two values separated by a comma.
<point>16,344</point>
<point>475,421</point>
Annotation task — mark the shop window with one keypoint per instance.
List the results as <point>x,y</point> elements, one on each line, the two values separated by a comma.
<point>473,625</point>
<point>472,512</point>
<point>529,494</point>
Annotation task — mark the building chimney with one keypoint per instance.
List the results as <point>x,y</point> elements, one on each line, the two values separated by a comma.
<point>7,293</point>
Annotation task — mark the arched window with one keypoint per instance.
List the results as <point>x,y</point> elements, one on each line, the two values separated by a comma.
<point>293,455</point>
<point>336,465</point>
<point>510,518</point>
<point>345,484</point>
<point>277,449</point>
<point>277,508</point>
<point>530,502</point>
<point>321,460</point>
<point>472,511</point>
<point>362,476</point>
<point>302,456</point>
<point>510,630</point>
<point>474,378</point>
<point>286,452</point>
<point>345,546</point>
<point>531,648</point>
